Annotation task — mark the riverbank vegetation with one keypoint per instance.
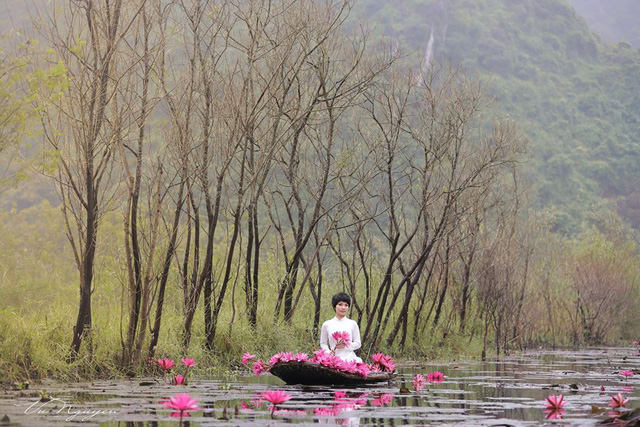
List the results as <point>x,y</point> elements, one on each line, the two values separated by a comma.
<point>223,169</point>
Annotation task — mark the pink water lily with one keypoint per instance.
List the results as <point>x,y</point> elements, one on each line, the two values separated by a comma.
<point>385,362</point>
<point>181,402</point>
<point>419,382</point>
<point>626,373</point>
<point>435,377</point>
<point>342,336</point>
<point>166,364</point>
<point>618,401</point>
<point>179,380</point>
<point>246,357</point>
<point>554,402</point>
<point>189,363</point>
<point>275,397</point>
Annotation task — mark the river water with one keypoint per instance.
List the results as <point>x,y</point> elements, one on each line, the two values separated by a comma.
<point>508,391</point>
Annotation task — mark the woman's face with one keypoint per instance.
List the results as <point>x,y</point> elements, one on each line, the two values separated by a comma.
<point>342,308</point>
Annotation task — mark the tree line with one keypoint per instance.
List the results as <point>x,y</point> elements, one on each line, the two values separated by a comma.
<point>271,145</point>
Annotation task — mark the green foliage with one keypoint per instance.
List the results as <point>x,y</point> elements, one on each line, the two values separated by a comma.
<point>575,97</point>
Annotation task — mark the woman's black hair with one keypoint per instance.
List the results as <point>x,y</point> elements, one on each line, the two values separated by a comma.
<point>340,297</point>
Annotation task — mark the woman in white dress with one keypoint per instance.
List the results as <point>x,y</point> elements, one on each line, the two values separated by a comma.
<point>343,348</point>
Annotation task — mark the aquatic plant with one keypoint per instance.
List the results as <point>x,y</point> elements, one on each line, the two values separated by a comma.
<point>342,336</point>
<point>166,364</point>
<point>626,373</point>
<point>554,402</point>
<point>383,361</point>
<point>275,397</point>
<point>179,380</point>
<point>181,403</point>
<point>618,401</point>
<point>419,382</point>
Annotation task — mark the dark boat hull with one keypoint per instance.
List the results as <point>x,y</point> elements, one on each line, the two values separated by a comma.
<point>309,373</point>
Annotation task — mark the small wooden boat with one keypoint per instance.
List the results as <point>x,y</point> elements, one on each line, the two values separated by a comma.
<point>309,373</point>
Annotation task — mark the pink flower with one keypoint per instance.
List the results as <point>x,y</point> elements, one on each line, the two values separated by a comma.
<point>166,364</point>
<point>628,389</point>
<point>554,402</point>
<point>300,357</point>
<point>179,380</point>
<point>276,397</point>
<point>626,373</point>
<point>342,336</point>
<point>339,394</point>
<point>281,357</point>
<point>246,357</point>
<point>418,382</point>
<point>188,362</point>
<point>385,362</point>
<point>636,343</point>
<point>181,402</point>
<point>618,401</point>
<point>259,367</point>
<point>435,377</point>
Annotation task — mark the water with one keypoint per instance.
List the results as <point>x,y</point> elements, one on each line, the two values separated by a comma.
<point>507,391</point>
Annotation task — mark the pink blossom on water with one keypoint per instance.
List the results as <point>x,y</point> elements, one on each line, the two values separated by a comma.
<point>246,357</point>
<point>181,402</point>
<point>189,363</point>
<point>179,380</point>
<point>626,373</point>
<point>618,401</point>
<point>435,377</point>
<point>555,402</point>
<point>166,364</point>
<point>419,382</point>
<point>276,397</point>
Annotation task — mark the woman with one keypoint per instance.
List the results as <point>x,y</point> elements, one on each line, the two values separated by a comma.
<point>343,348</point>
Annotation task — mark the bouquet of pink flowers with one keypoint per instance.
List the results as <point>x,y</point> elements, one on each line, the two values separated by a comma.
<point>341,337</point>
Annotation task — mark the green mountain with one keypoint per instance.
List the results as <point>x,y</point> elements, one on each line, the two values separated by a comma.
<point>576,98</point>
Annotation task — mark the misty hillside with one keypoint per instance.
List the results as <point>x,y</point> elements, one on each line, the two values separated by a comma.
<point>576,97</point>
<point>615,20</point>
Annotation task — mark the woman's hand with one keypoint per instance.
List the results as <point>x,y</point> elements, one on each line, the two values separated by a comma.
<point>340,345</point>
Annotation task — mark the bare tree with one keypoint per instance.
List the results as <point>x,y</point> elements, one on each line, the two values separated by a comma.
<point>84,126</point>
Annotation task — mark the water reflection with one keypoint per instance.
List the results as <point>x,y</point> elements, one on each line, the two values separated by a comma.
<point>511,390</point>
